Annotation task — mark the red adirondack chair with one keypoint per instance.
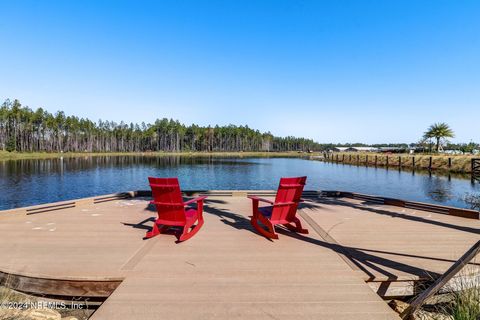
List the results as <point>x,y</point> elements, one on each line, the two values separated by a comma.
<point>167,197</point>
<point>282,210</point>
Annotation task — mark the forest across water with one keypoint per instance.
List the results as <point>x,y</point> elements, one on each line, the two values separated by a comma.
<point>25,130</point>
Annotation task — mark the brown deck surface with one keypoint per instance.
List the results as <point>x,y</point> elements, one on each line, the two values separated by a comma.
<point>394,243</point>
<point>227,270</point>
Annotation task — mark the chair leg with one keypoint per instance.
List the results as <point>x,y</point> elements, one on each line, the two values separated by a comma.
<point>297,228</point>
<point>156,231</point>
<point>188,234</point>
<point>271,234</point>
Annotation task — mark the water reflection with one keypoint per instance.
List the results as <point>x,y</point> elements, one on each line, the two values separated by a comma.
<point>438,188</point>
<point>27,182</point>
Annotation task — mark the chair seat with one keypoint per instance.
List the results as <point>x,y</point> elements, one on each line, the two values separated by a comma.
<point>266,211</point>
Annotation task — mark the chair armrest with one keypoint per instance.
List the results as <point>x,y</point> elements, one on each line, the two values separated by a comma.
<point>281,204</point>
<point>197,199</point>
<point>166,204</point>
<point>255,198</point>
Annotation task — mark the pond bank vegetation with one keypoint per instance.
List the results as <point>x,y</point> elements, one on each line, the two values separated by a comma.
<point>434,162</point>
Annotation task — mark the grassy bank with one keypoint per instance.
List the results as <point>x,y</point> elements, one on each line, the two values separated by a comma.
<point>451,163</point>
<point>4,155</point>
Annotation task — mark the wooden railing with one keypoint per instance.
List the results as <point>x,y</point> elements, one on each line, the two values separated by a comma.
<point>475,169</point>
<point>442,280</point>
<point>453,211</point>
<point>382,160</point>
<point>399,162</point>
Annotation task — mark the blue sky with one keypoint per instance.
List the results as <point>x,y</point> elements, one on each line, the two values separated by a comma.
<point>333,71</point>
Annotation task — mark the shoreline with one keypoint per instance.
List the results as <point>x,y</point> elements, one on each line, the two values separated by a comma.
<point>5,156</point>
<point>440,164</point>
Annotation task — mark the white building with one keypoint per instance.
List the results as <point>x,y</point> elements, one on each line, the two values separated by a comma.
<point>355,149</point>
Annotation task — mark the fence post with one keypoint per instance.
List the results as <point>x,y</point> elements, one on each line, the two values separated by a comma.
<point>449,162</point>
<point>413,162</point>
<point>387,161</point>
<point>366,160</point>
<point>376,160</point>
<point>475,170</point>
<point>399,161</point>
<point>430,163</point>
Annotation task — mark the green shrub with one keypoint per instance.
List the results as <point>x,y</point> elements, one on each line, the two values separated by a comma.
<point>466,304</point>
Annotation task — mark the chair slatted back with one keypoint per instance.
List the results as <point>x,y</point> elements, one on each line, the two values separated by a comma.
<point>168,197</point>
<point>289,190</point>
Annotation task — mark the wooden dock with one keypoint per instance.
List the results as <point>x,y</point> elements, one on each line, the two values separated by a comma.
<point>395,248</point>
<point>90,248</point>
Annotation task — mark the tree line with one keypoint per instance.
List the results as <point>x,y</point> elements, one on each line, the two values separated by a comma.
<point>25,130</point>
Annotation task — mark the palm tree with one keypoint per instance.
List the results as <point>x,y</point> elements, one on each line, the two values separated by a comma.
<point>439,131</point>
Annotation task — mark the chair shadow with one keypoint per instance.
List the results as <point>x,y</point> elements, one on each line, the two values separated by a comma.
<point>231,219</point>
<point>309,205</point>
<point>141,224</point>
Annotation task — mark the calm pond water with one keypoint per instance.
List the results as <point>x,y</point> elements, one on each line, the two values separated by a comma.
<point>28,182</point>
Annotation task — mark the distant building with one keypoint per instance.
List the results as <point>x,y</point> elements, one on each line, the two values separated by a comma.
<point>355,149</point>
<point>365,149</point>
